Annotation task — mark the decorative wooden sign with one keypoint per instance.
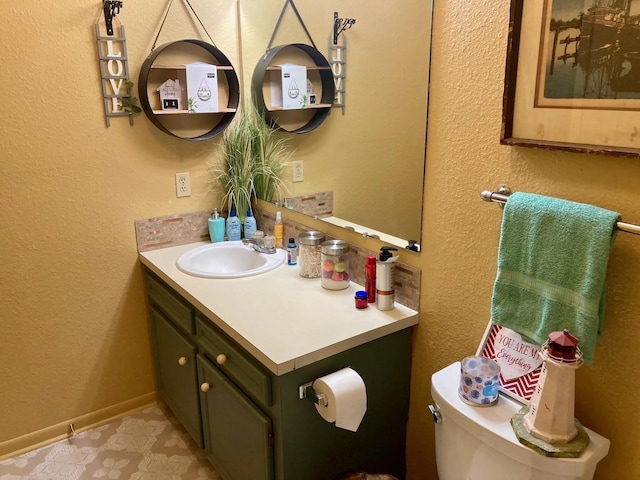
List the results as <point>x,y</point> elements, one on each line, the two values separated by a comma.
<point>338,58</point>
<point>338,62</point>
<point>520,364</point>
<point>114,64</point>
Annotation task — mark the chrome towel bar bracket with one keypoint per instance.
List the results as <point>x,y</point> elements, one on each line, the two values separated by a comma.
<point>502,196</point>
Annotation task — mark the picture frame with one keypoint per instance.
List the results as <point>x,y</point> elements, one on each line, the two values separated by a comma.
<point>520,364</point>
<point>569,111</point>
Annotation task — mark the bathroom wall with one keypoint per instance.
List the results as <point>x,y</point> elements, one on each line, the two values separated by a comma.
<point>460,234</point>
<point>73,322</point>
<point>73,328</point>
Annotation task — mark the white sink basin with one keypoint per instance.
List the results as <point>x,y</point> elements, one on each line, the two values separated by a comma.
<point>228,260</point>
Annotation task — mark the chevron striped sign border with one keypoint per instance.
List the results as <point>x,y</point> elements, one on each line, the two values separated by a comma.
<point>520,388</point>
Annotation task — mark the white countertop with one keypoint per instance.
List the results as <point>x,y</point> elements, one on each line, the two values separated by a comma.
<point>282,319</point>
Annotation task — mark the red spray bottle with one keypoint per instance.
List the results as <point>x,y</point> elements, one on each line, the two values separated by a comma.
<point>370,278</point>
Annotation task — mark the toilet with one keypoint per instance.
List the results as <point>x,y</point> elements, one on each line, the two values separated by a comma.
<point>478,443</point>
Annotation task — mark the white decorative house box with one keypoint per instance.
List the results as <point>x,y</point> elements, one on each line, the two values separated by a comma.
<point>289,87</point>
<point>202,87</point>
<point>170,95</point>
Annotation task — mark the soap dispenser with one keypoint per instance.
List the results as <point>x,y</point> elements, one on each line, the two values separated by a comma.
<point>233,226</point>
<point>216,227</point>
<point>385,279</point>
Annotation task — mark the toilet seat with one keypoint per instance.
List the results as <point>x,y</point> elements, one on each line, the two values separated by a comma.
<point>491,425</point>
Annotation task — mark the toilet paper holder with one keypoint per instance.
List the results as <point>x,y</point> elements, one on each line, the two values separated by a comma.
<point>307,391</point>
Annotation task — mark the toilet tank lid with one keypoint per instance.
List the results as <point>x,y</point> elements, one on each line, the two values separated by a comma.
<point>491,425</point>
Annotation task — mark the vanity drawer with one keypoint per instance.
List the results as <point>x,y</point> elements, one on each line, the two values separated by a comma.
<point>231,359</point>
<point>181,313</point>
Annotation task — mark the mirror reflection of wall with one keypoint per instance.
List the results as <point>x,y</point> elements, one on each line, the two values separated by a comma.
<point>372,157</point>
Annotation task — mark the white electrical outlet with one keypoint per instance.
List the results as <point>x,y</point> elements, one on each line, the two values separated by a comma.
<point>183,184</point>
<point>298,173</point>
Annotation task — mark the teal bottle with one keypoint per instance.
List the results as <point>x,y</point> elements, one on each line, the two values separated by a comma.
<point>216,227</point>
<point>250,226</point>
<point>233,226</point>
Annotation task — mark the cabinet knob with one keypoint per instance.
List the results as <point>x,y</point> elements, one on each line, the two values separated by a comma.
<point>220,359</point>
<point>183,361</point>
<point>205,387</point>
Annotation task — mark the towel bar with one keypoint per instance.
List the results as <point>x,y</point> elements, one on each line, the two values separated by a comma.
<point>501,197</point>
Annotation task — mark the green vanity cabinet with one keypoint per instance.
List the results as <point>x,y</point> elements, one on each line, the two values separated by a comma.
<point>237,433</point>
<point>176,369</point>
<point>252,423</point>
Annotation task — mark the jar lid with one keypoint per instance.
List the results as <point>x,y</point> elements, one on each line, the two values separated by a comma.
<point>362,295</point>
<point>311,237</point>
<point>334,247</point>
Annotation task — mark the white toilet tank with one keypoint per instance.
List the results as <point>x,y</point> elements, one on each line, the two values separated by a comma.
<point>478,443</point>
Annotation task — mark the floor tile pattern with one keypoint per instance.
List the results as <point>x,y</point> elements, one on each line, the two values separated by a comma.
<point>147,445</point>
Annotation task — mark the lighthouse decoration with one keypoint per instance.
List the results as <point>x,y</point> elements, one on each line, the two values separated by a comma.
<point>548,424</point>
<point>550,416</point>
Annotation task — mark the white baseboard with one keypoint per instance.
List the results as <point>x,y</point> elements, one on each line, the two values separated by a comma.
<point>60,431</point>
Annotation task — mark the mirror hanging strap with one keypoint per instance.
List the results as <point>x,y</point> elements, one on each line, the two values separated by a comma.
<point>166,14</point>
<point>295,10</point>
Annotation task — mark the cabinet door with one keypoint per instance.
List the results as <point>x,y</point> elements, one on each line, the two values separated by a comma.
<point>176,373</point>
<point>236,433</point>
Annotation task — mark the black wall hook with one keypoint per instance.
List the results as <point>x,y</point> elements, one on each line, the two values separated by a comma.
<point>111,8</point>
<point>340,25</point>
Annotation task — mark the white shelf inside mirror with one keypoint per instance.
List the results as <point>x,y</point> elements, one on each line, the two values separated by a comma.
<point>365,231</point>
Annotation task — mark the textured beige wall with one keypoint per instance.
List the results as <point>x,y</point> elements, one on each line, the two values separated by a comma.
<point>460,234</point>
<point>73,323</point>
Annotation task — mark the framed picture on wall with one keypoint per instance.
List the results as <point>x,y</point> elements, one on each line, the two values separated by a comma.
<point>572,79</point>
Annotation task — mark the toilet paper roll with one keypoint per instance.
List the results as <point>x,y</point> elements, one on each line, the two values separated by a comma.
<point>346,398</point>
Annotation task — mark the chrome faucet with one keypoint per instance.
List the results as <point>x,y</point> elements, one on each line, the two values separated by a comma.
<point>258,245</point>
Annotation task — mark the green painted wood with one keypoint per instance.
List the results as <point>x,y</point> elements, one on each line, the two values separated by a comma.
<point>307,447</point>
<point>236,431</point>
<point>240,366</point>
<point>180,312</point>
<point>238,423</point>
<point>177,384</point>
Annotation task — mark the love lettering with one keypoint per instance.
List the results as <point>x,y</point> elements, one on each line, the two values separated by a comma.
<point>114,70</point>
<point>115,67</point>
<point>338,69</point>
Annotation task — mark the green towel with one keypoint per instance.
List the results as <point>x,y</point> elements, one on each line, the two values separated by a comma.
<point>552,264</point>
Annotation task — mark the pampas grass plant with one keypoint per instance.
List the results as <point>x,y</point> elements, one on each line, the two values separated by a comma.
<point>253,159</point>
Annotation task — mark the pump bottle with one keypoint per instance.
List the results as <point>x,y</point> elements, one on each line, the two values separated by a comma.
<point>216,227</point>
<point>385,279</point>
<point>233,226</point>
<point>249,226</point>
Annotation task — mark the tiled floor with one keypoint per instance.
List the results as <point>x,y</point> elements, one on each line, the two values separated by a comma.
<point>147,445</point>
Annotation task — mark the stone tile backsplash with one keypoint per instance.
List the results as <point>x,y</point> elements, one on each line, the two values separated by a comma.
<point>162,232</point>
<point>315,205</point>
<point>170,231</point>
